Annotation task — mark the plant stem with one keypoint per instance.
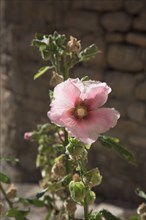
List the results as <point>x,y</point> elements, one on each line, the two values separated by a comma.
<point>82,171</point>
<point>85,209</point>
<point>5,196</point>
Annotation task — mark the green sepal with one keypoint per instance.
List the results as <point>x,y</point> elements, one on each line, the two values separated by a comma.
<point>4,178</point>
<point>113,143</point>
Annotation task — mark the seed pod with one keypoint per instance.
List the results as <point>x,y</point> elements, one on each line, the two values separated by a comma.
<point>77,191</point>
<point>93,177</point>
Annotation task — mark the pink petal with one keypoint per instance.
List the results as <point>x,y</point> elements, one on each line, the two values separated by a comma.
<point>67,91</point>
<point>103,119</point>
<point>96,95</point>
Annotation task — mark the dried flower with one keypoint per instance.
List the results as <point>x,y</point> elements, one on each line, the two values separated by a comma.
<point>77,107</point>
<point>74,45</point>
<point>55,79</point>
<point>12,191</point>
<point>141,209</point>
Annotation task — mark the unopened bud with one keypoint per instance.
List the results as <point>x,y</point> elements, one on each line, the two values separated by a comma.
<point>77,191</point>
<point>70,206</point>
<point>28,136</point>
<point>12,191</point>
<point>74,45</point>
<point>90,197</point>
<point>56,79</point>
<point>93,177</point>
<point>141,209</point>
<point>76,177</point>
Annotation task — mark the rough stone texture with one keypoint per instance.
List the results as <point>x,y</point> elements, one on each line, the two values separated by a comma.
<point>136,39</point>
<point>112,78</point>
<point>139,22</point>
<point>116,21</point>
<point>100,5</point>
<point>127,58</point>
<point>140,91</point>
<point>121,64</point>
<point>136,111</point>
<point>114,37</point>
<point>134,6</point>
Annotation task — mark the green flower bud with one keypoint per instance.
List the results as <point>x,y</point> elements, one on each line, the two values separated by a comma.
<point>76,149</point>
<point>77,191</point>
<point>93,177</point>
<point>90,196</point>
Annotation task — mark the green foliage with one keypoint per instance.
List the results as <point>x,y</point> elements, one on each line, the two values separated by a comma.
<point>4,178</point>
<point>17,214</point>
<point>41,71</point>
<point>113,143</point>
<point>88,53</point>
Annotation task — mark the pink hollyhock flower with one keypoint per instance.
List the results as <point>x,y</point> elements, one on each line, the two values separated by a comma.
<point>77,107</point>
<point>28,136</point>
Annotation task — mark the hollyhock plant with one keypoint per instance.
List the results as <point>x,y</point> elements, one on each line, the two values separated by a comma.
<point>77,106</point>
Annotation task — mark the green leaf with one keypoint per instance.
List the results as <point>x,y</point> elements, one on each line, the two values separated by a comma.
<point>140,193</point>
<point>36,202</point>
<point>95,216</point>
<point>18,214</point>
<point>42,71</point>
<point>113,143</point>
<point>108,216</point>
<point>88,53</point>
<point>4,178</point>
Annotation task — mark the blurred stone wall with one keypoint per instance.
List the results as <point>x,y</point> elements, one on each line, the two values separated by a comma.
<point>118,28</point>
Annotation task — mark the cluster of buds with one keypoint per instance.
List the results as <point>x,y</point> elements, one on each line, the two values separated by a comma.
<point>74,45</point>
<point>142,211</point>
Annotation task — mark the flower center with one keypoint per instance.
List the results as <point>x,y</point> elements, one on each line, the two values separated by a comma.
<point>81,111</point>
